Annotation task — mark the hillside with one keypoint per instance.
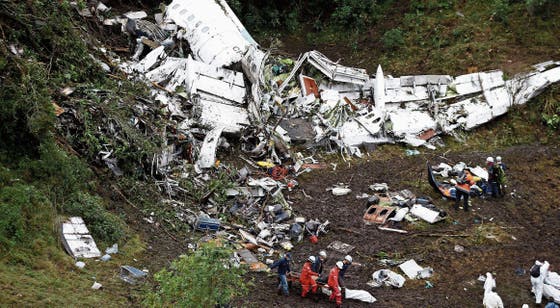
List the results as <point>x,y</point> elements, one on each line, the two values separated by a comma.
<point>80,137</point>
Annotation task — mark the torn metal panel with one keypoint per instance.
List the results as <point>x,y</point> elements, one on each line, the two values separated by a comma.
<point>378,214</point>
<point>411,122</point>
<point>253,64</point>
<point>76,239</point>
<point>214,33</point>
<point>341,247</point>
<point>426,214</point>
<point>213,114</point>
<point>335,71</point>
<point>332,70</point>
<point>467,84</point>
<point>213,82</point>
<point>350,90</point>
<point>136,15</point>
<point>166,69</point>
<point>411,268</point>
<point>526,86</point>
<point>424,80</point>
<point>207,155</point>
<point>246,191</point>
<point>131,274</point>
<point>362,130</point>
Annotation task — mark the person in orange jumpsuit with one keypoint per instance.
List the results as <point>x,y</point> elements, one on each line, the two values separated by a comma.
<point>307,278</point>
<point>333,284</point>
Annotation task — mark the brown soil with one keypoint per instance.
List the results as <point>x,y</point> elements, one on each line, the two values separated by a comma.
<point>524,227</point>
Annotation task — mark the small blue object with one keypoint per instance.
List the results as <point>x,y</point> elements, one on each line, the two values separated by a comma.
<point>429,285</point>
<point>206,224</point>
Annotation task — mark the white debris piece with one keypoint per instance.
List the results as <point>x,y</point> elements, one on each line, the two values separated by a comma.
<point>150,60</point>
<point>207,156</point>
<point>332,70</point>
<point>426,214</point>
<point>214,114</point>
<point>400,214</point>
<point>96,286</point>
<point>214,33</point>
<point>136,15</point>
<point>388,278</point>
<point>77,240</point>
<point>415,271</point>
<point>411,122</point>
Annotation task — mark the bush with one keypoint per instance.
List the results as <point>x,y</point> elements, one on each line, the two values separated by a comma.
<point>25,214</point>
<point>59,174</point>
<point>501,10</point>
<point>393,39</point>
<point>536,7</point>
<point>102,224</point>
<point>356,14</point>
<point>204,278</point>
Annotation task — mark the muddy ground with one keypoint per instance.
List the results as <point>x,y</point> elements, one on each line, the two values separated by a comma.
<point>503,235</point>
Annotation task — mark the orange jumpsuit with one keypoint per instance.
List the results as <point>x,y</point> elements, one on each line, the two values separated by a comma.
<point>334,286</point>
<point>306,279</point>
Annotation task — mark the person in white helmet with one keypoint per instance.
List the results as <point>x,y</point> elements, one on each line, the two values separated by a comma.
<point>307,278</point>
<point>501,176</point>
<point>317,266</point>
<point>345,265</point>
<point>492,176</point>
<point>333,284</point>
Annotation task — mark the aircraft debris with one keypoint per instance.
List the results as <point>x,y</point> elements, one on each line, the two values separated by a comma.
<point>76,239</point>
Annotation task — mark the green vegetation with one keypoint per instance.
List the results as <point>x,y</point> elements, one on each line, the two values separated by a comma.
<point>205,278</point>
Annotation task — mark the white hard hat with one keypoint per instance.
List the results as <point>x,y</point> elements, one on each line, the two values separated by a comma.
<point>498,158</point>
<point>322,253</point>
<point>453,182</point>
<point>311,259</point>
<point>489,160</point>
<point>348,258</point>
<point>339,264</point>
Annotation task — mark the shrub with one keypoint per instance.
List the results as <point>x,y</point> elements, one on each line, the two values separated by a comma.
<point>102,224</point>
<point>204,278</point>
<point>59,174</point>
<point>25,214</point>
<point>501,10</point>
<point>356,14</point>
<point>535,7</point>
<point>393,39</point>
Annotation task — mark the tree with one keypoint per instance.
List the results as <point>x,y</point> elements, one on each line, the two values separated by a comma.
<point>204,278</point>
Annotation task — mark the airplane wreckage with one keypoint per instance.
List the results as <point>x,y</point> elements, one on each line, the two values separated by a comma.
<point>214,79</point>
<point>234,85</point>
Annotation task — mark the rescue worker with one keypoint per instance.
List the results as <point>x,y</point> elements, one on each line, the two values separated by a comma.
<point>462,189</point>
<point>317,266</point>
<point>501,176</point>
<point>333,284</point>
<point>283,265</point>
<point>346,264</point>
<point>492,176</point>
<point>307,278</point>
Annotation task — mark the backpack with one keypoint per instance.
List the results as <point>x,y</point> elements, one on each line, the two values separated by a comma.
<point>500,174</point>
